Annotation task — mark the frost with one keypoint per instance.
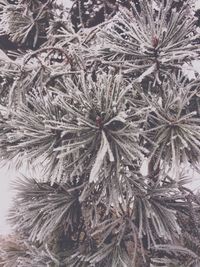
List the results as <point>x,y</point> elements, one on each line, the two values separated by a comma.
<point>103,150</point>
<point>146,73</point>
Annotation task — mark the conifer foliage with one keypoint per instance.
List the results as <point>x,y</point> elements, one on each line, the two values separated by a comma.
<point>88,94</point>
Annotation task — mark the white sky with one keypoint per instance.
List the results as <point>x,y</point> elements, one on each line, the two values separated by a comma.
<point>6,176</point>
<point>5,197</point>
<point>66,3</point>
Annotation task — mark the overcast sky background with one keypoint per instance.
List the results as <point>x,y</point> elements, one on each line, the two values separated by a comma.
<point>9,174</point>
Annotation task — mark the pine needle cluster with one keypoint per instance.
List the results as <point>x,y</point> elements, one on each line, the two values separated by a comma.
<point>89,100</point>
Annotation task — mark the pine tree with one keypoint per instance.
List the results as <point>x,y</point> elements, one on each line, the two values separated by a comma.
<point>90,93</point>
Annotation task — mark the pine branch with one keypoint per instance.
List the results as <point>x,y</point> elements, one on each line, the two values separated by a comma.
<point>45,209</point>
<point>150,42</point>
